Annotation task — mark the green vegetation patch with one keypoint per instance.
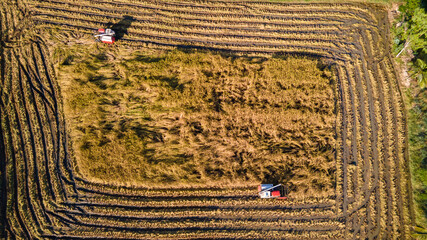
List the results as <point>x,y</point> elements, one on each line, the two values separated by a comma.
<point>200,118</point>
<point>417,102</point>
<point>410,41</point>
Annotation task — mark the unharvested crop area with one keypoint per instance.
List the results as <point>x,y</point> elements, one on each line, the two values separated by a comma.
<point>46,198</point>
<point>177,118</point>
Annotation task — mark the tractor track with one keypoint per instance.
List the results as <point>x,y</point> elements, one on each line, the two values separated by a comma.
<point>32,145</point>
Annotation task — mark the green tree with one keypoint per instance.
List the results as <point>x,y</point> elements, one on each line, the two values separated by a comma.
<point>413,33</point>
<point>418,42</point>
<point>409,8</point>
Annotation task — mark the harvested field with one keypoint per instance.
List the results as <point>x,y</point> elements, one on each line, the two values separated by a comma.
<point>44,198</point>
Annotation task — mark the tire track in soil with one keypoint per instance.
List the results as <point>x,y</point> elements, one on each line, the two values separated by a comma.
<point>364,152</point>
<point>60,128</point>
<point>386,147</point>
<point>374,135</point>
<point>40,123</point>
<point>139,18</point>
<point>395,155</point>
<point>125,218</point>
<point>374,150</point>
<point>354,151</point>
<point>165,13</point>
<point>411,210</point>
<point>14,190</point>
<point>23,151</point>
<point>342,97</point>
<point>192,39</point>
<point>194,33</point>
<point>209,207</point>
<point>373,64</point>
<point>7,144</point>
<point>32,144</point>
<point>15,167</point>
<point>48,110</point>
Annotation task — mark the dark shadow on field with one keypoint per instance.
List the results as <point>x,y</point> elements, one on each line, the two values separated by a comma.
<point>230,54</point>
<point>146,132</point>
<point>148,59</point>
<point>173,82</point>
<point>276,175</point>
<point>121,27</point>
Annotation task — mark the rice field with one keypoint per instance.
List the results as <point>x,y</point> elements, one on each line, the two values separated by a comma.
<point>45,198</point>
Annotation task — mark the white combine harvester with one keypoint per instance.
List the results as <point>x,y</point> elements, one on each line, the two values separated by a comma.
<point>105,36</point>
<point>272,191</point>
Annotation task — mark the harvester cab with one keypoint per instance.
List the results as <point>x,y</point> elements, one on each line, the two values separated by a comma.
<point>105,36</point>
<point>272,191</point>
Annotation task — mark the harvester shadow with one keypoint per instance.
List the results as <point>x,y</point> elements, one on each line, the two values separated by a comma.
<point>121,27</point>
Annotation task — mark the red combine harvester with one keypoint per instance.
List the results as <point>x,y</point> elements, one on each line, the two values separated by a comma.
<point>105,36</point>
<point>272,191</point>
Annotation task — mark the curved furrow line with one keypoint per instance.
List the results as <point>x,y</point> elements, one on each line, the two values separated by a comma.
<point>166,190</point>
<point>35,178</point>
<point>345,159</point>
<point>326,28</point>
<point>23,154</point>
<point>41,89</point>
<point>6,114</point>
<point>49,108</point>
<point>367,56</point>
<point>262,6</point>
<point>386,156</point>
<point>40,123</point>
<point>23,228</point>
<point>198,30</point>
<point>139,212</point>
<point>84,234</point>
<point>48,112</point>
<point>199,206</point>
<point>353,157</point>
<point>125,221</point>
<point>385,140</point>
<point>214,39</point>
<point>60,130</point>
<point>233,47</point>
<point>104,190</point>
<point>232,227</point>
<point>360,86</point>
<point>203,211</point>
<point>251,19</point>
<point>48,127</point>
<point>374,143</point>
<point>397,160</point>
<point>330,52</point>
<point>410,211</point>
<point>159,11</point>
<point>201,22</point>
<point>141,19</point>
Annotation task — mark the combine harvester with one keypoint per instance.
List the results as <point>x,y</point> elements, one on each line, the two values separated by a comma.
<point>105,36</point>
<point>272,191</point>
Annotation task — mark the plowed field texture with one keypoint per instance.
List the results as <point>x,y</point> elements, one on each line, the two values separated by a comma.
<point>167,133</point>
